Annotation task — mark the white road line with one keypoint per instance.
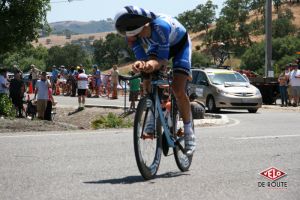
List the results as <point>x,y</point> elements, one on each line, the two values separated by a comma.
<point>263,137</point>
<point>63,133</point>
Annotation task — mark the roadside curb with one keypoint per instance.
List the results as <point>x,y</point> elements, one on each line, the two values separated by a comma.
<point>105,106</point>
<point>210,119</point>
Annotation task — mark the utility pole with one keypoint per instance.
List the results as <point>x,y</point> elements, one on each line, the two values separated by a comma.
<point>269,72</point>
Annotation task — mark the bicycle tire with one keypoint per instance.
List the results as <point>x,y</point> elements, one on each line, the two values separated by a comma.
<point>147,170</point>
<point>183,161</point>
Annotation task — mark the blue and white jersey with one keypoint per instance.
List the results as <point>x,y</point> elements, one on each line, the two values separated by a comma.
<point>166,31</point>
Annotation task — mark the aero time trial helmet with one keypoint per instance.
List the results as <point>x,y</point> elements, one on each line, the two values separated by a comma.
<point>131,20</point>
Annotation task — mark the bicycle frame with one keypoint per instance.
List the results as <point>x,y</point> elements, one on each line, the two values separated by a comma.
<point>155,84</point>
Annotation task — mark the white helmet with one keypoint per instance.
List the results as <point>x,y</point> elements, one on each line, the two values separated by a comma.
<point>131,20</point>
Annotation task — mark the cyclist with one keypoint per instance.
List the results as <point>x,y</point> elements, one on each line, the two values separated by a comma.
<point>165,38</point>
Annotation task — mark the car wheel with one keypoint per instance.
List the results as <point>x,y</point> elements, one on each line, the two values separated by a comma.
<point>211,105</point>
<point>252,110</point>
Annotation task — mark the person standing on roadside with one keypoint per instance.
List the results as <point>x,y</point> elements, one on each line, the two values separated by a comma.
<point>294,77</point>
<point>16,93</point>
<point>35,72</point>
<point>82,85</point>
<point>97,80</point>
<point>115,81</point>
<point>135,85</point>
<point>41,94</point>
<point>282,79</point>
<point>4,84</point>
<point>53,79</point>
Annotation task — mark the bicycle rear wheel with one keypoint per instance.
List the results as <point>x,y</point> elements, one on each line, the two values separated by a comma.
<point>182,160</point>
<point>147,147</point>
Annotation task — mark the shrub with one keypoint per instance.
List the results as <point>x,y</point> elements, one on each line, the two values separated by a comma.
<point>6,106</point>
<point>112,121</point>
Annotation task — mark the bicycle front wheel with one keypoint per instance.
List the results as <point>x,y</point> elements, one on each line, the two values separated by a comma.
<point>147,139</point>
<point>182,160</point>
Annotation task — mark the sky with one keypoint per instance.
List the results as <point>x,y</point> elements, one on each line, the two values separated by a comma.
<point>87,10</point>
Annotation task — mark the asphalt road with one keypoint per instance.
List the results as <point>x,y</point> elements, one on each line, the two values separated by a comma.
<point>101,164</point>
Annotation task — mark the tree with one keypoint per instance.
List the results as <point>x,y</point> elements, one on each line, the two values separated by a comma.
<point>283,25</point>
<point>26,56</point>
<point>187,19</point>
<point>283,53</point>
<point>69,55</point>
<point>253,59</point>
<point>112,50</point>
<point>277,4</point>
<point>232,27</point>
<point>199,18</point>
<point>205,15</point>
<point>21,21</point>
<point>200,60</point>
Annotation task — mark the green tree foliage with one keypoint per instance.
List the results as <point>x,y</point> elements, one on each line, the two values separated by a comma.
<point>69,55</point>
<point>284,50</point>
<point>26,56</point>
<point>283,25</point>
<point>112,50</point>
<point>199,18</point>
<point>21,21</point>
<point>6,106</point>
<point>254,57</point>
<point>231,26</point>
<point>200,59</point>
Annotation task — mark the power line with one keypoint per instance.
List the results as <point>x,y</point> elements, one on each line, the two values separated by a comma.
<point>64,1</point>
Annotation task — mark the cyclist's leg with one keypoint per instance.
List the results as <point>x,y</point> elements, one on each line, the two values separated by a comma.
<point>181,68</point>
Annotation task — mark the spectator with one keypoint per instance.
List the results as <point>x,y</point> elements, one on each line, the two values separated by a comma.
<point>134,91</point>
<point>82,68</point>
<point>115,81</point>
<point>4,84</point>
<point>16,69</point>
<point>16,93</point>
<point>54,77</point>
<point>35,72</point>
<point>82,84</point>
<point>73,77</point>
<point>64,78</point>
<point>294,78</point>
<point>97,80</point>
<point>41,94</point>
<point>50,103</point>
<point>105,83</point>
<point>288,69</point>
<point>282,79</point>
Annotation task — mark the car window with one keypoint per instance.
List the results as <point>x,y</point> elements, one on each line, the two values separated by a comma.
<point>201,77</point>
<point>219,78</point>
<point>195,76</point>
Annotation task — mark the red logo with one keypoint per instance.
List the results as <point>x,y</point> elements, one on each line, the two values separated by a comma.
<point>272,173</point>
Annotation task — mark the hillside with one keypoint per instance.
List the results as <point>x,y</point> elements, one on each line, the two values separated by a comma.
<point>73,26</point>
<point>58,40</point>
<point>77,27</point>
<point>295,8</point>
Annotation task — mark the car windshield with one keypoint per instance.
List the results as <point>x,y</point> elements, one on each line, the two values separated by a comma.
<point>220,78</point>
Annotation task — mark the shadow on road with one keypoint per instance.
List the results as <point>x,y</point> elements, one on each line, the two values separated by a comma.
<point>136,179</point>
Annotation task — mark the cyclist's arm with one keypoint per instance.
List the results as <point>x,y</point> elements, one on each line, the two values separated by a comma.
<point>158,52</point>
<point>137,48</point>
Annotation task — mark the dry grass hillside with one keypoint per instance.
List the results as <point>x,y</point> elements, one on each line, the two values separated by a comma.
<point>57,40</point>
<point>295,8</point>
<point>197,38</point>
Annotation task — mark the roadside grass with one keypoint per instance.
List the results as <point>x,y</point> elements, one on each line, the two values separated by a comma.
<point>112,120</point>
